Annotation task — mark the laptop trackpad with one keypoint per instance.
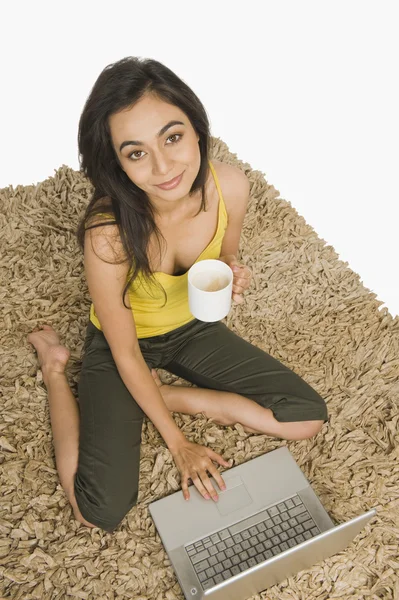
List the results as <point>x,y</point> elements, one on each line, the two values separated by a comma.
<point>236,496</point>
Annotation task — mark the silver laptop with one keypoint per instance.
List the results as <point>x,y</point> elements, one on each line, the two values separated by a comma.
<point>266,526</point>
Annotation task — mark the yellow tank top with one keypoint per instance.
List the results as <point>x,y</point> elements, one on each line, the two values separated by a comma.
<point>153,317</point>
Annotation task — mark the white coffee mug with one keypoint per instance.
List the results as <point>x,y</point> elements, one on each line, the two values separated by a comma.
<point>210,285</point>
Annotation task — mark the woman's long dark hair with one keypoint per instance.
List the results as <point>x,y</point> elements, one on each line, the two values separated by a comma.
<point>119,86</point>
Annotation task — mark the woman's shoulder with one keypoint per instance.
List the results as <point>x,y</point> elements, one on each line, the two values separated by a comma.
<point>231,180</point>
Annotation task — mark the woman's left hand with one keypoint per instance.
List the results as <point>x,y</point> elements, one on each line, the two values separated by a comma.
<point>241,276</point>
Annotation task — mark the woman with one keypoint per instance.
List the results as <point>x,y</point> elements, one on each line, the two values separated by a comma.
<point>142,126</point>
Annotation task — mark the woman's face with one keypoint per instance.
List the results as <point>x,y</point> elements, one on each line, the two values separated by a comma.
<point>149,160</point>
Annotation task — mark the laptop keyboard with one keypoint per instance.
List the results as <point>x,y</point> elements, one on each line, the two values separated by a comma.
<point>232,550</point>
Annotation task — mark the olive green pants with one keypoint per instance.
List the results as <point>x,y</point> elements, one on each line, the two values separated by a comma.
<point>210,355</point>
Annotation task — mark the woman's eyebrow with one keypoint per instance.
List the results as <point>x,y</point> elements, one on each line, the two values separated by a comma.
<point>161,132</point>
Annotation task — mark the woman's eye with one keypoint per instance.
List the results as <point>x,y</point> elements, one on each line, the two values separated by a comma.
<point>174,135</point>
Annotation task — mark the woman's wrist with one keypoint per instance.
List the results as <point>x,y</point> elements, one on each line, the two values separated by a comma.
<point>176,441</point>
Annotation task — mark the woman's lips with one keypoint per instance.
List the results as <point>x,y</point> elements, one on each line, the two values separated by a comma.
<point>172,183</point>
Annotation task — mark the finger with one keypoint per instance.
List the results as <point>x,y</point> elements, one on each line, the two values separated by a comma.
<point>242,271</point>
<point>217,457</point>
<point>238,298</point>
<point>208,483</point>
<point>244,281</point>
<point>238,289</point>
<point>217,476</point>
<point>205,491</point>
<point>184,486</point>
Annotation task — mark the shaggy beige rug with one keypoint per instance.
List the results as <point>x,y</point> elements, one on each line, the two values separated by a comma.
<point>306,308</point>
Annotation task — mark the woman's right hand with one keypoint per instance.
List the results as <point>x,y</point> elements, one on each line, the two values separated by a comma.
<point>193,462</point>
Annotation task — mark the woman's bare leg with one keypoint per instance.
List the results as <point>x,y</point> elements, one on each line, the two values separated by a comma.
<point>227,408</point>
<point>64,411</point>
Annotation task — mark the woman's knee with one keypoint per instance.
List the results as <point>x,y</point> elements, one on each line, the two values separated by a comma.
<point>300,430</point>
<point>311,428</point>
<point>103,511</point>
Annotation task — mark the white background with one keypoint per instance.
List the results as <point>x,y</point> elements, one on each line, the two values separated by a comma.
<point>306,92</point>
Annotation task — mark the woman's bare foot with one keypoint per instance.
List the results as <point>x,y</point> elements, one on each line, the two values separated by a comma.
<point>52,355</point>
<point>250,430</point>
<point>158,381</point>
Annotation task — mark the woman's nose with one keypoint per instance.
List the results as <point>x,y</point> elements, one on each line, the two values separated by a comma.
<point>162,166</point>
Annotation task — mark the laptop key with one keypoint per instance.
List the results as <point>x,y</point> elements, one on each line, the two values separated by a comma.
<point>261,537</point>
<point>215,538</point>
<point>245,534</point>
<point>243,566</point>
<point>208,583</point>
<point>224,534</point>
<point>269,523</point>
<point>314,531</point>
<point>291,543</point>
<point>267,554</point>
<point>285,516</point>
<point>289,503</point>
<point>254,540</point>
<point>218,578</point>
<point>229,542</point>
<point>308,524</point>
<point>252,552</point>
<point>229,552</point>
<point>237,537</point>
<point>267,544</point>
<point>284,546</point>
<point>261,526</point>
<point>212,550</point>
<point>281,506</point>
<point>218,568</point>
<point>245,544</point>
<point>235,560</point>
<point>202,566</point>
<point>235,570</point>
<point>293,522</point>
<point>253,530</point>
<point>284,525</point>
<point>299,529</point>
<point>277,530</point>
<point>212,561</point>
<point>307,535</point>
<point>227,563</point>
<point>226,574</point>
<point>202,576</point>
<point>221,556</point>
<point>299,538</point>
<point>259,548</point>
<point>277,520</point>
<point>296,500</point>
<point>303,517</point>
<point>275,540</point>
<point>273,511</point>
<point>222,546</point>
<point>283,536</point>
<point>259,558</point>
<point>297,510</point>
<point>210,572</point>
<point>276,550</point>
<point>200,556</point>
<point>252,562</point>
<point>244,555</point>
